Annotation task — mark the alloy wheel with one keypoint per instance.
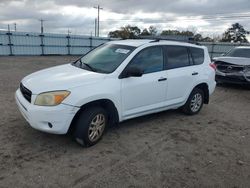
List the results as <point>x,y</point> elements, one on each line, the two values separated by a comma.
<point>96,127</point>
<point>196,102</point>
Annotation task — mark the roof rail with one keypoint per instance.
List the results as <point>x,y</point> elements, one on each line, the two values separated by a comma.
<point>159,38</point>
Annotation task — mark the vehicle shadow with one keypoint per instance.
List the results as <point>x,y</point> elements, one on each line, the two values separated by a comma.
<point>37,141</point>
<point>148,119</point>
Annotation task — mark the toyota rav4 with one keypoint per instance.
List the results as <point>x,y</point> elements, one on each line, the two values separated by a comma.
<point>116,81</point>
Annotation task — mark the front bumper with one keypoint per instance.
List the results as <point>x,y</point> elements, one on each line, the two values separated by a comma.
<point>234,78</point>
<point>39,117</point>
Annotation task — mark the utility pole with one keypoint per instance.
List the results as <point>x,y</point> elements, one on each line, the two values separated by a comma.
<point>98,19</point>
<point>9,40</point>
<point>95,26</point>
<point>42,36</point>
<point>15,26</point>
<point>69,32</point>
<point>41,20</point>
<point>68,42</point>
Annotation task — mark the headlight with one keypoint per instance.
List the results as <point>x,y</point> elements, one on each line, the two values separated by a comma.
<point>51,98</point>
<point>247,73</point>
<point>247,69</point>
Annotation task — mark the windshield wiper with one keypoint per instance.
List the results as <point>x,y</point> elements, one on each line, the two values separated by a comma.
<point>87,65</point>
<point>91,68</point>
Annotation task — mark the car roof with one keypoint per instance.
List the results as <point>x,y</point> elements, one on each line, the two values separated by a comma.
<point>140,42</point>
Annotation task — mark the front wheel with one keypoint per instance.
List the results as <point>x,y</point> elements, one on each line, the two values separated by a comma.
<point>90,126</point>
<point>194,102</point>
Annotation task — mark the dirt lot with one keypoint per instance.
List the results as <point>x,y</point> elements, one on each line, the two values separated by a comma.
<point>168,149</point>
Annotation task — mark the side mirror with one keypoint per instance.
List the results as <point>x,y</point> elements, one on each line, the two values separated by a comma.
<point>131,72</point>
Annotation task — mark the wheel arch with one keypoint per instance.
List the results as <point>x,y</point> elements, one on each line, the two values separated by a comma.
<point>107,104</point>
<point>204,87</point>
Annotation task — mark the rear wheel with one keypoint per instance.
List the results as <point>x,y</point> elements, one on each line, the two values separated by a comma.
<point>90,126</point>
<point>194,102</point>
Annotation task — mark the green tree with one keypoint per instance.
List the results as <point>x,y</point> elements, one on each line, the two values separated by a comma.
<point>145,32</point>
<point>187,33</point>
<point>170,32</point>
<point>152,30</point>
<point>132,32</point>
<point>176,32</point>
<point>207,39</point>
<point>236,33</point>
<point>127,32</point>
<point>198,37</point>
<point>115,34</point>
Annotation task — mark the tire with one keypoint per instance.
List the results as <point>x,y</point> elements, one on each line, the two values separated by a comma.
<point>90,126</point>
<point>194,103</point>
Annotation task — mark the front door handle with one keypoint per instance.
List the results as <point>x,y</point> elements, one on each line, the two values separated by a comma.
<point>195,73</point>
<point>162,79</point>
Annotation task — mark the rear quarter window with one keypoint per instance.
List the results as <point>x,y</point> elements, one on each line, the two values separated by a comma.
<point>197,55</point>
<point>177,57</point>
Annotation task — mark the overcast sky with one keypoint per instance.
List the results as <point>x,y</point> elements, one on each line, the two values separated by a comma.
<point>203,16</point>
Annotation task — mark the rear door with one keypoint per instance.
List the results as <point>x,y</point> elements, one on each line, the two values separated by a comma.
<point>182,73</point>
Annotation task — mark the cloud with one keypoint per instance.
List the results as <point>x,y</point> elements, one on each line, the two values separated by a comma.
<point>182,7</point>
<point>79,15</point>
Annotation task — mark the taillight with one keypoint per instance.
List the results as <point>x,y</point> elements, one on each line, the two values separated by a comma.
<point>213,65</point>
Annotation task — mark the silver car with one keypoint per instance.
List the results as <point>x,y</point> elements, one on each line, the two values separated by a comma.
<point>234,67</point>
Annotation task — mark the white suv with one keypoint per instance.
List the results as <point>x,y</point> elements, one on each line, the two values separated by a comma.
<point>115,82</point>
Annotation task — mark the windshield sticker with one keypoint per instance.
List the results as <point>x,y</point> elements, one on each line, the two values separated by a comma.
<point>122,51</point>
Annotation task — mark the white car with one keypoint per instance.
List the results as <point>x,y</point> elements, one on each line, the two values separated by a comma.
<point>117,81</point>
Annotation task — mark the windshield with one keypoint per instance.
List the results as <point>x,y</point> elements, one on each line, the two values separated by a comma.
<point>239,52</point>
<point>105,59</point>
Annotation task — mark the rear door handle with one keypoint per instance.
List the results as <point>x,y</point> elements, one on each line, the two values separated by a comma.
<point>162,79</point>
<point>195,73</point>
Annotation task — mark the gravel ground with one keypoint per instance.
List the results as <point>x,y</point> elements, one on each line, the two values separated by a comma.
<point>168,149</point>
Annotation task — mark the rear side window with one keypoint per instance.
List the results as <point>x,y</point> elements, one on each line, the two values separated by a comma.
<point>197,55</point>
<point>177,57</point>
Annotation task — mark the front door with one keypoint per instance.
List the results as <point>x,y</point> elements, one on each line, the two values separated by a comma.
<point>143,94</point>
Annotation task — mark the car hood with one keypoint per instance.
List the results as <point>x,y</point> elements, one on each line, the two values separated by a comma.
<point>61,77</point>
<point>234,60</point>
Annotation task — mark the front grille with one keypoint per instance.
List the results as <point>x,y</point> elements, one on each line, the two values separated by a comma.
<point>26,92</point>
<point>228,68</point>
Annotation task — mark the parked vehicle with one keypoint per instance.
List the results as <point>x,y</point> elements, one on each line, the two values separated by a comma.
<point>117,81</point>
<point>234,67</point>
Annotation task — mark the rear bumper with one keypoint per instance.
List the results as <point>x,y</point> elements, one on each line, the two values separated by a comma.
<point>39,117</point>
<point>212,86</point>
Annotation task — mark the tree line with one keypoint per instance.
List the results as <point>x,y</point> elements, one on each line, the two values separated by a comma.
<point>236,33</point>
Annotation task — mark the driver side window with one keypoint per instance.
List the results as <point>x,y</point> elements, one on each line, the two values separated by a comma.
<point>149,60</point>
